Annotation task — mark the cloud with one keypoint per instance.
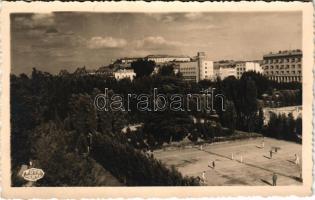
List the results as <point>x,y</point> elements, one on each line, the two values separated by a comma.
<point>166,18</point>
<point>198,27</point>
<point>193,15</point>
<point>43,19</point>
<point>52,30</point>
<point>106,42</point>
<point>157,42</point>
<point>57,41</point>
<point>35,21</point>
<point>179,17</point>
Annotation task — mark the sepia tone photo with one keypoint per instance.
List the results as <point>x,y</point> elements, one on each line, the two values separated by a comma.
<point>159,98</point>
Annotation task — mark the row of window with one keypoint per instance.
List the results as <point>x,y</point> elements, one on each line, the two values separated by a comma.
<point>281,60</point>
<point>282,72</point>
<point>282,66</point>
<point>240,69</point>
<point>283,78</point>
<point>188,69</point>
<point>189,72</point>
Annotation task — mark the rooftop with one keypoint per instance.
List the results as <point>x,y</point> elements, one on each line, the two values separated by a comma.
<point>284,53</point>
<point>167,56</point>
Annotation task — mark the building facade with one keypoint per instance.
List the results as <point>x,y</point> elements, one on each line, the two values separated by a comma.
<point>128,60</point>
<point>206,70</point>
<point>124,73</point>
<point>283,66</point>
<point>225,72</point>
<point>244,66</point>
<point>189,70</point>
<point>167,58</point>
<point>198,69</point>
<point>224,68</point>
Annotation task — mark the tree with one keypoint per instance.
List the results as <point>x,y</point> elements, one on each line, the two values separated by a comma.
<point>83,114</point>
<point>167,70</point>
<point>166,125</point>
<point>134,167</point>
<point>249,104</point>
<point>228,117</point>
<point>291,126</point>
<point>143,67</point>
<point>52,153</point>
<point>259,121</point>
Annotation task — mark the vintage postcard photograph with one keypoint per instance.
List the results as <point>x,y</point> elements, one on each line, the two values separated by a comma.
<point>135,99</point>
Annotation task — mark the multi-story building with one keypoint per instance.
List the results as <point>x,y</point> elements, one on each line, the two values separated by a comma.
<point>283,66</point>
<point>167,58</point>
<point>128,60</point>
<point>189,70</point>
<point>198,69</point>
<point>104,71</point>
<point>225,72</point>
<point>124,73</point>
<point>224,68</point>
<point>205,67</point>
<point>206,70</point>
<point>244,66</point>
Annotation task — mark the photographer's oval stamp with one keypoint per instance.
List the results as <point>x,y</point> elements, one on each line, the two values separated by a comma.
<point>33,174</point>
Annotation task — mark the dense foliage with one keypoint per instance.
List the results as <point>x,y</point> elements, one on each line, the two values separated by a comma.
<point>284,127</point>
<point>53,120</point>
<point>133,167</point>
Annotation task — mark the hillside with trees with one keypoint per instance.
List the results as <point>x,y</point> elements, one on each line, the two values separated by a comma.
<point>55,123</point>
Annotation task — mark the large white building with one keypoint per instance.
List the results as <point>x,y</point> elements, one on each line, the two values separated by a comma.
<point>128,60</point>
<point>245,66</point>
<point>225,72</point>
<point>206,70</point>
<point>199,69</point>
<point>124,73</point>
<point>188,70</point>
<point>167,58</point>
<point>283,66</point>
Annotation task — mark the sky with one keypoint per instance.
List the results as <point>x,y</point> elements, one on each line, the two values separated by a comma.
<point>68,40</point>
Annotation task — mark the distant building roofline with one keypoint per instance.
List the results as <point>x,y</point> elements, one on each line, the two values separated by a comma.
<point>284,53</point>
<point>167,56</point>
